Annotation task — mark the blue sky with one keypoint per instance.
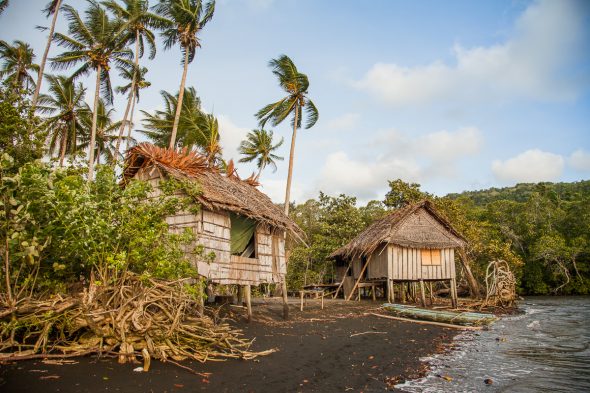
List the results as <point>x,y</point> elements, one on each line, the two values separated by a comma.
<point>454,95</point>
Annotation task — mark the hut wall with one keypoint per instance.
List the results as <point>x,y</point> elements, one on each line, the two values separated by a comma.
<point>379,264</point>
<point>406,264</point>
<point>213,233</point>
<point>357,266</point>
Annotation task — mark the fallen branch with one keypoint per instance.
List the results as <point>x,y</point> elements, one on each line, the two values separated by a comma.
<point>449,325</point>
<point>370,332</point>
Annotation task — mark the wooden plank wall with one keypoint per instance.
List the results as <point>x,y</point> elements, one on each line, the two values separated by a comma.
<point>213,232</point>
<point>406,264</point>
<point>378,265</point>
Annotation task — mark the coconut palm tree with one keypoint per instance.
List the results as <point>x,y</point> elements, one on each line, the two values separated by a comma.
<point>139,22</point>
<point>258,146</point>
<point>52,8</point>
<point>106,133</point>
<point>296,101</point>
<point>66,108</point>
<point>3,5</point>
<point>186,18</point>
<point>158,126</point>
<point>94,43</point>
<point>138,82</point>
<point>17,63</point>
<point>208,139</point>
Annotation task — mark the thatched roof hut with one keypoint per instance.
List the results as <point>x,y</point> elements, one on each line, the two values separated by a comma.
<point>237,222</point>
<point>414,243</point>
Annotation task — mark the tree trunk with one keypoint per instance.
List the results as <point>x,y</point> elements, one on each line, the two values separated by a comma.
<point>44,59</point>
<point>93,131</point>
<point>473,285</point>
<point>131,93</point>
<point>179,103</point>
<point>130,122</point>
<point>62,153</point>
<point>291,154</point>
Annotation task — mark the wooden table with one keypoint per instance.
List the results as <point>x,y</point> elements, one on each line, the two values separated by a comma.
<point>371,285</point>
<point>317,292</point>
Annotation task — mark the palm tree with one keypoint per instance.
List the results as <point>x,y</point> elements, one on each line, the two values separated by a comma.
<point>106,133</point>
<point>3,5</point>
<point>258,146</point>
<point>208,139</point>
<point>296,101</point>
<point>52,8</point>
<point>138,82</point>
<point>138,22</point>
<point>94,43</point>
<point>66,107</point>
<point>158,126</point>
<point>18,61</point>
<point>185,19</point>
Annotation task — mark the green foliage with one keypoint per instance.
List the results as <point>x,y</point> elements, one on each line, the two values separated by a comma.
<point>258,146</point>
<point>60,228</point>
<point>21,137</point>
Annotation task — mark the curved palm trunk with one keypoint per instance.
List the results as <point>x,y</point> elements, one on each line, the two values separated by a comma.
<point>130,122</point>
<point>471,281</point>
<point>44,59</point>
<point>93,131</point>
<point>291,154</point>
<point>136,64</point>
<point>62,152</point>
<point>179,103</point>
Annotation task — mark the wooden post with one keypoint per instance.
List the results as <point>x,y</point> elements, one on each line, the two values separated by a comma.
<point>392,292</point>
<point>248,294</point>
<point>388,290</point>
<point>454,292</point>
<point>402,288</point>
<point>358,280</point>
<point>431,292</point>
<point>373,288</point>
<point>240,295</point>
<point>342,282</point>
<point>422,294</point>
<point>301,295</point>
<point>322,300</point>
<point>285,299</point>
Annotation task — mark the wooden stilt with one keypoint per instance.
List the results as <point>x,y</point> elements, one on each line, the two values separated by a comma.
<point>402,288</point>
<point>388,291</point>
<point>248,294</point>
<point>240,295</point>
<point>358,280</point>
<point>430,292</point>
<point>392,292</point>
<point>301,295</point>
<point>454,292</point>
<point>285,299</point>
<point>422,293</point>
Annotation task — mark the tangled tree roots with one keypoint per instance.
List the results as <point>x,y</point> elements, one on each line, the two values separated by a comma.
<point>500,285</point>
<point>152,318</point>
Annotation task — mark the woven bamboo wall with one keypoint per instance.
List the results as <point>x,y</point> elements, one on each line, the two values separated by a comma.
<point>213,233</point>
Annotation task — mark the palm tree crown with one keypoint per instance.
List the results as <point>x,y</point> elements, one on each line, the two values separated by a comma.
<point>66,108</point>
<point>258,146</point>
<point>128,75</point>
<point>185,19</point>
<point>106,133</point>
<point>17,62</point>
<point>295,84</point>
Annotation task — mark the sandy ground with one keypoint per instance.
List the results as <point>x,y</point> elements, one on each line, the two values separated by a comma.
<point>338,349</point>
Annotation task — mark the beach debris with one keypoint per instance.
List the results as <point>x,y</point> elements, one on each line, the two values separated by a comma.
<point>500,285</point>
<point>440,316</point>
<point>49,377</point>
<point>58,362</point>
<point>488,381</point>
<point>126,315</point>
<point>369,332</point>
<point>138,369</point>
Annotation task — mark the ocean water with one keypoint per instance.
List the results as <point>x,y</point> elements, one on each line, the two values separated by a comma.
<point>545,349</point>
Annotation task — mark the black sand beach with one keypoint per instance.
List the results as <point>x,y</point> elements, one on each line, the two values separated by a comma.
<point>337,349</point>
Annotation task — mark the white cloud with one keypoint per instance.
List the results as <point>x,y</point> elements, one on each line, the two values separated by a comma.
<point>580,160</point>
<point>231,136</point>
<point>275,189</point>
<point>396,155</point>
<point>531,166</point>
<point>531,64</point>
<point>345,122</point>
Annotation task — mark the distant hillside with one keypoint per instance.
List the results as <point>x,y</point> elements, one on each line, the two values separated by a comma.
<point>521,192</point>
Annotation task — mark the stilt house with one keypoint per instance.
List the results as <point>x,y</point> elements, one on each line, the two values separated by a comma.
<point>238,223</point>
<point>412,244</point>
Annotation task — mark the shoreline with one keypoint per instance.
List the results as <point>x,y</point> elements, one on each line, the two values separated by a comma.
<point>332,350</point>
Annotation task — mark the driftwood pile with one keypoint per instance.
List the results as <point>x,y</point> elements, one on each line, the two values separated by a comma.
<point>500,285</point>
<point>147,317</point>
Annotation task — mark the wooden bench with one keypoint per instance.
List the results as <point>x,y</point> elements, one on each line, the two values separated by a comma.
<point>318,293</point>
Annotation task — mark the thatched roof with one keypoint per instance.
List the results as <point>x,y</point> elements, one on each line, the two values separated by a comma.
<point>219,191</point>
<point>416,226</point>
